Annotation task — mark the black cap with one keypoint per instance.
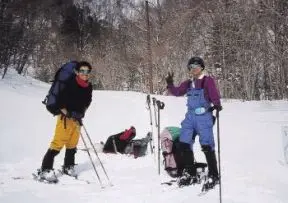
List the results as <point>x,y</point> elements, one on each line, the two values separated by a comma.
<point>196,61</point>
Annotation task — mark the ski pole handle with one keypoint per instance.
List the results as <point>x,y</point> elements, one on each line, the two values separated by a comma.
<point>160,104</point>
<point>148,100</point>
<point>154,100</point>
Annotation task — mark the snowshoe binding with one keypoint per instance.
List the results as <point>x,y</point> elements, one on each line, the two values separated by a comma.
<point>47,176</point>
<point>210,183</point>
<point>186,179</point>
<point>70,171</point>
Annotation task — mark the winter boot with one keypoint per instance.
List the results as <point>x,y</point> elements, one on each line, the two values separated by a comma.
<point>69,162</point>
<point>185,165</point>
<point>47,175</point>
<point>213,176</point>
<point>70,171</point>
<point>185,179</point>
<point>48,160</point>
<point>210,183</point>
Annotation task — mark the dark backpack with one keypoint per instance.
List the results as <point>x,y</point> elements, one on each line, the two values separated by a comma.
<point>118,142</point>
<point>62,76</point>
<point>138,147</point>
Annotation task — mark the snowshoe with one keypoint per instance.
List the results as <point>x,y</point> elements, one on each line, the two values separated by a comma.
<point>210,183</point>
<point>186,179</point>
<point>47,175</point>
<point>70,171</point>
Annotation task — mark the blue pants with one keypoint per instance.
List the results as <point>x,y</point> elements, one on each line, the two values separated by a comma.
<point>201,124</point>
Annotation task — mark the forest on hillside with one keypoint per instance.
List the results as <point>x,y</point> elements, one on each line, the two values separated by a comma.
<point>244,43</point>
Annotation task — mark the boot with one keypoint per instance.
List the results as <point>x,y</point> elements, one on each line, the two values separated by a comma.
<point>69,159</point>
<point>186,158</point>
<point>46,173</point>
<point>48,160</point>
<point>69,162</point>
<point>185,165</point>
<point>212,164</point>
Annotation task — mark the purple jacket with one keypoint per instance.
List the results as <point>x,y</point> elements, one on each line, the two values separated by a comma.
<point>210,89</point>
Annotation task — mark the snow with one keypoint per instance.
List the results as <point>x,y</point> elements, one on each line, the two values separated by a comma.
<point>252,158</point>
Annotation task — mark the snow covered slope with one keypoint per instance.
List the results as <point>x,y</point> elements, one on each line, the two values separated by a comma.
<point>252,161</point>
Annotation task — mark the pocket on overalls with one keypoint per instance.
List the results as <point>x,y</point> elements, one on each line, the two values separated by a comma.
<point>194,99</point>
<point>200,111</point>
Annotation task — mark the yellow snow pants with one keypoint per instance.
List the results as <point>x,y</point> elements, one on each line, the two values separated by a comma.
<point>67,133</point>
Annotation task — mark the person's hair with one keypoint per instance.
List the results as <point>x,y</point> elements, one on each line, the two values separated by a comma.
<point>197,61</point>
<point>83,63</point>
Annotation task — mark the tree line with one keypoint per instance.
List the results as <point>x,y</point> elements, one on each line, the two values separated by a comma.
<point>244,43</point>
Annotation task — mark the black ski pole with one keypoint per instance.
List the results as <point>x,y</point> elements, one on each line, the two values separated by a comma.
<point>155,109</point>
<point>156,121</point>
<point>91,143</point>
<point>94,167</point>
<point>219,160</point>
<point>148,101</point>
<point>160,106</point>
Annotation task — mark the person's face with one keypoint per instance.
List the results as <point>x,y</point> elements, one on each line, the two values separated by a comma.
<point>194,70</point>
<point>84,73</point>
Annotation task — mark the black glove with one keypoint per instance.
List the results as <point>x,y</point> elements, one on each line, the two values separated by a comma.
<point>76,116</point>
<point>215,107</point>
<point>218,107</point>
<point>169,78</point>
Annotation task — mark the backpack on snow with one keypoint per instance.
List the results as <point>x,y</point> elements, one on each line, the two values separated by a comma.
<point>62,76</point>
<point>138,147</point>
<point>118,142</point>
<point>169,137</point>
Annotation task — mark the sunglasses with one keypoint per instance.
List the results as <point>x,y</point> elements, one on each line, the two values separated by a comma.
<point>84,71</point>
<point>193,65</point>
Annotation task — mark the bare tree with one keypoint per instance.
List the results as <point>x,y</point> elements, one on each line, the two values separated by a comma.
<point>244,43</point>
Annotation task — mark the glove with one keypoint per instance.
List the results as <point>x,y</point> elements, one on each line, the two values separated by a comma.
<point>215,107</point>
<point>76,116</point>
<point>218,107</point>
<point>169,78</point>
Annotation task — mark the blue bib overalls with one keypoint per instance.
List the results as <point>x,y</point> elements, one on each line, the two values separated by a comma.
<point>195,123</point>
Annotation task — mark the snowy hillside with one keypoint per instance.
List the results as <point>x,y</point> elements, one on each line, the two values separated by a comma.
<point>252,161</point>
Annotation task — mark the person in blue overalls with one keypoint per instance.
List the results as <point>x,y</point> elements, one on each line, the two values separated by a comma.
<point>202,97</point>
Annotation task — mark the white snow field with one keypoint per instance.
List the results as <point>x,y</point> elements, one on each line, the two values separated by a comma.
<point>252,158</point>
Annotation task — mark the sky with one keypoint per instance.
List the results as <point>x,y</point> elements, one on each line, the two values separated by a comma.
<point>252,141</point>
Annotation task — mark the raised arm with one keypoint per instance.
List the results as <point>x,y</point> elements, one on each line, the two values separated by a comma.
<point>179,90</point>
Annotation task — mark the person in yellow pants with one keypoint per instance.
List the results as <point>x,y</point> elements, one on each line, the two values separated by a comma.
<point>73,102</point>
